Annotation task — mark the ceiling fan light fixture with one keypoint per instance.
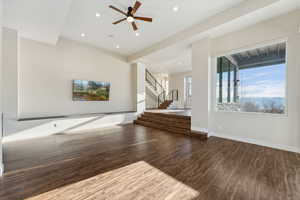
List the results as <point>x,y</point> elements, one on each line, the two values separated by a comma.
<point>130,19</point>
<point>98,15</point>
<point>176,8</point>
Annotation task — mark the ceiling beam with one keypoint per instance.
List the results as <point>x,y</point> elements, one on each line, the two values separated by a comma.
<point>232,59</point>
<point>240,10</point>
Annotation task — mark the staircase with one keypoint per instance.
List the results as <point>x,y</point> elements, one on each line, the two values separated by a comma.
<point>165,104</point>
<point>171,122</point>
<point>164,99</point>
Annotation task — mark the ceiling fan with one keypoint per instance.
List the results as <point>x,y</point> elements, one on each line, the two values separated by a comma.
<point>130,15</point>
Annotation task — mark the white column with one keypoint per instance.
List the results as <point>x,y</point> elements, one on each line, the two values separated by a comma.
<point>1,22</point>
<point>139,84</point>
<point>9,78</point>
<point>201,84</point>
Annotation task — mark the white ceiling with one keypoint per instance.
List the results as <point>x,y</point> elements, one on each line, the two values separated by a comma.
<point>47,20</point>
<point>34,16</point>
<point>40,20</point>
<point>177,58</point>
<point>174,59</point>
<point>166,22</point>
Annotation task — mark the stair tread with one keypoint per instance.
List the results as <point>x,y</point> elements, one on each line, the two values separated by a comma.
<point>165,104</point>
<point>167,119</point>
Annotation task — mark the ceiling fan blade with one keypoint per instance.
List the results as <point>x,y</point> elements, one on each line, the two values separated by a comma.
<point>136,7</point>
<point>147,19</point>
<point>118,10</point>
<point>119,21</point>
<point>134,26</point>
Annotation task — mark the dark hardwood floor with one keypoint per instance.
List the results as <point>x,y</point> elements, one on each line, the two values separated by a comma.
<point>134,162</point>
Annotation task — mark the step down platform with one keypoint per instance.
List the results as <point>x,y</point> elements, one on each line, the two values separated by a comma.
<point>172,122</point>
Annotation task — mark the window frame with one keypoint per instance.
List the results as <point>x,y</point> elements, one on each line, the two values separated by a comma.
<point>186,88</point>
<point>214,66</point>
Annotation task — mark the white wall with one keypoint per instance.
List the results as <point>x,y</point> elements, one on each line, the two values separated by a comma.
<point>10,74</point>
<point>200,98</point>
<point>9,80</point>
<point>46,73</point>
<point>276,131</point>
<point>44,88</point>
<point>176,82</point>
<point>139,87</point>
<point>1,22</point>
<point>24,130</point>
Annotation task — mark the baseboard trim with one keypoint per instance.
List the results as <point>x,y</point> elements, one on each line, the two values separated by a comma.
<point>201,133</point>
<point>257,142</point>
<point>198,129</point>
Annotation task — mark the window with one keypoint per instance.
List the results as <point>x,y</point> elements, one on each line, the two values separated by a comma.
<point>188,86</point>
<point>188,92</point>
<point>253,80</point>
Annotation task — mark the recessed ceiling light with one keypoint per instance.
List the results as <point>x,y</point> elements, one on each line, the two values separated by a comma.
<point>176,8</point>
<point>118,47</point>
<point>82,35</point>
<point>98,15</point>
<point>137,34</point>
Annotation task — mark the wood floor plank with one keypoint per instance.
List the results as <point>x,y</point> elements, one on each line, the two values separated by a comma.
<point>135,162</point>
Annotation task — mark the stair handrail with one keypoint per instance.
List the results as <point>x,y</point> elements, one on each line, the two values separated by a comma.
<point>171,96</point>
<point>153,82</point>
<point>163,96</point>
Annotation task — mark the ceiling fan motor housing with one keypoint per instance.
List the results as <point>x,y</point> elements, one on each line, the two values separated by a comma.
<point>129,13</point>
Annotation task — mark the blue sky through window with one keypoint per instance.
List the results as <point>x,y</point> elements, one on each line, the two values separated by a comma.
<point>266,81</point>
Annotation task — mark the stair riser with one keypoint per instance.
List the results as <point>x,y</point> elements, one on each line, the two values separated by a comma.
<point>169,122</point>
<point>167,115</point>
<point>164,128</point>
<point>167,119</point>
<point>166,123</point>
<point>165,105</point>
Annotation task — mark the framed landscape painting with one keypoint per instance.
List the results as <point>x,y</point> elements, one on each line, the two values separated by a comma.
<point>90,90</point>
